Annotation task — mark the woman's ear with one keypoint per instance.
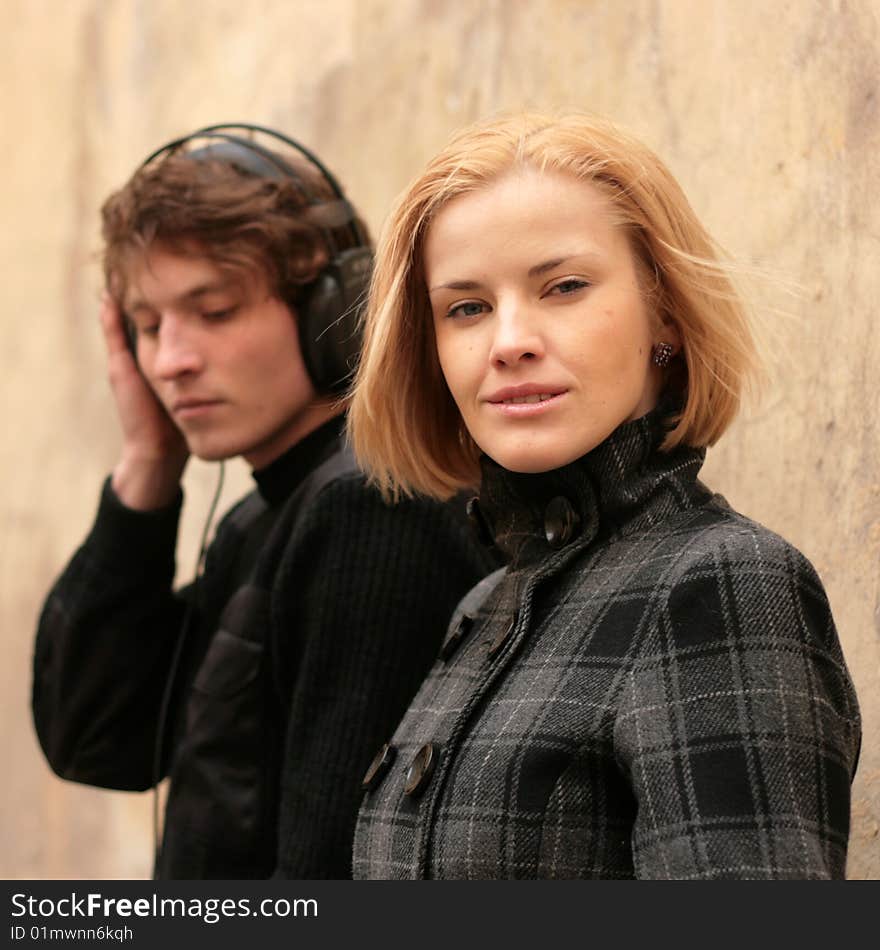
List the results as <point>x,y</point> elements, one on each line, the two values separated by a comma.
<point>667,343</point>
<point>667,332</point>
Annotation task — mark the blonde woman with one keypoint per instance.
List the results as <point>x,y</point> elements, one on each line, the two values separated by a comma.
<point>654,686</point>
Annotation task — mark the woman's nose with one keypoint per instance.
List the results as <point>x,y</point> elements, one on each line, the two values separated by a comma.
<point>517,335</point>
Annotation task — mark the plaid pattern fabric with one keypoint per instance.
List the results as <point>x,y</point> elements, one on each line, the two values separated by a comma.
<point>663,696</point>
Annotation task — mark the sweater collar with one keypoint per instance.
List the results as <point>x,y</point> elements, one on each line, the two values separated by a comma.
<point>623,484</point>
<point>277,480</point>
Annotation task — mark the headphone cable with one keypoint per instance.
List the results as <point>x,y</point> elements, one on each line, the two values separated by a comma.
<point>175,665</point>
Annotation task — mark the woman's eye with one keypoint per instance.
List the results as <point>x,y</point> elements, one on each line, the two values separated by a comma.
<point>469,308</point>
<point>570,286</point>
<point>148,330</point>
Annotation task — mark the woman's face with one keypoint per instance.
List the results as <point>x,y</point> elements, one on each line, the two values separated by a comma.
<point>542,331</point>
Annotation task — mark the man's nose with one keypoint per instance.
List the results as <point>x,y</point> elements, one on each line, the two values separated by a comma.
<point>517,334</point>
<point>177,350</point>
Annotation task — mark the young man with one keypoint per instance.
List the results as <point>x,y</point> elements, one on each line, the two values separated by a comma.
<point>265,687</point>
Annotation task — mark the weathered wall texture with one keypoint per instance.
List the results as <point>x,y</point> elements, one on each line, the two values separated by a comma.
<point>770,116</point>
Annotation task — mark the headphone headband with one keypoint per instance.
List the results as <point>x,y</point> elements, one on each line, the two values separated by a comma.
<point>224,132</point>
<point>328,316</point>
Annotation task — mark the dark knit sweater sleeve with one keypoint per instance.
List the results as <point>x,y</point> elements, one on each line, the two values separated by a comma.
<point>104,642</point>
<point>740,727</point>
<point>361,606</point>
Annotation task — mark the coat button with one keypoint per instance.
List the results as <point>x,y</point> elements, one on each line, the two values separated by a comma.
<point>560,522</point>
<point>420,770</point>
<point>378,767</point>
<point>480,523</point>
<point>502,638</point>
<point>453,641</point>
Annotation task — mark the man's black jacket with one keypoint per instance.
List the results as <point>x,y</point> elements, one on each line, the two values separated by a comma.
<point>318,614</point>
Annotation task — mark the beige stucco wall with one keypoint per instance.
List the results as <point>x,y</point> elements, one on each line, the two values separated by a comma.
<point>769,113</point>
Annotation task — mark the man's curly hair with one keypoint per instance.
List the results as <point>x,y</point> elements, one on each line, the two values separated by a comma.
<point>245,223</point>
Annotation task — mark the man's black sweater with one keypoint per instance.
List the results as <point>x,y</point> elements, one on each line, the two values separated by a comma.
<point>318,614</point>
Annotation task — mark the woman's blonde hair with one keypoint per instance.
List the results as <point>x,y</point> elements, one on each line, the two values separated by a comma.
<point>405,427</point>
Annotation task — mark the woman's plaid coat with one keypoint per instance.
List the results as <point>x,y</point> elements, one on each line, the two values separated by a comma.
<point>654,688</point>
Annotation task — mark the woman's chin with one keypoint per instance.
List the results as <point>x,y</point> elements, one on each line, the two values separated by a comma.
<point>532,461</point>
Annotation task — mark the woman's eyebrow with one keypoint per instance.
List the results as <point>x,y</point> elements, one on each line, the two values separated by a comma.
<point>457,285</point>
<point>539,269</point>
<point>534,271</point>
<point>555,262</point>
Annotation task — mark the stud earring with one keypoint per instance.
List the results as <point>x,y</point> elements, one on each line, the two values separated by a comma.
<point>662,354</point>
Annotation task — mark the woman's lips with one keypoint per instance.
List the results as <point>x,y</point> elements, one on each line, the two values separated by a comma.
<point>535,397</point>
<point>519,402</point>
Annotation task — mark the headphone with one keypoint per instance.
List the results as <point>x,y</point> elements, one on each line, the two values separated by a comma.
<point>328,315</point>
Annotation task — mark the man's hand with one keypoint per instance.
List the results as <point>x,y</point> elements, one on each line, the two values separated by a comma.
<point>154,452</point>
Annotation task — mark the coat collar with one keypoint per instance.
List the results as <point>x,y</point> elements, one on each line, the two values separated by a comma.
<point>623,484</point>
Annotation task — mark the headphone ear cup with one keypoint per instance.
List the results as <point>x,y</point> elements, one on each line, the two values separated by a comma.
<point>329,320</point>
